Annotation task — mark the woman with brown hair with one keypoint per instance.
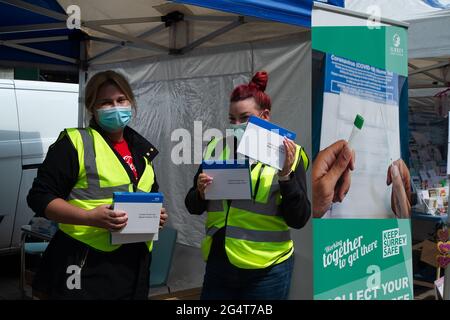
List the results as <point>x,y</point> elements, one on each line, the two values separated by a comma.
<point>74,187</point>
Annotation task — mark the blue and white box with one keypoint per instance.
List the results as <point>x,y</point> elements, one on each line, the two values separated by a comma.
<point>263,142</point>
<point>143,210</point>
<point>231,180</point>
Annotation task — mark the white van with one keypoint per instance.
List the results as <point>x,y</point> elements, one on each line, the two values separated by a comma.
<point>32,114</point>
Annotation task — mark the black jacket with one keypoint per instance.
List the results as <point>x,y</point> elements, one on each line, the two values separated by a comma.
<point>59,172</point>
<point>121,274</point>
<point>295,205</point>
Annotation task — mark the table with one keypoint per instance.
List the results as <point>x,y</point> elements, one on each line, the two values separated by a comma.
<point>428,217</point>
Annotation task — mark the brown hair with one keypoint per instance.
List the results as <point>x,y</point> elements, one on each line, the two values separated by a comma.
<point>106,77</point>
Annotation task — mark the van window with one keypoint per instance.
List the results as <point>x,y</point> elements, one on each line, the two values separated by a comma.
<point>36,74</point>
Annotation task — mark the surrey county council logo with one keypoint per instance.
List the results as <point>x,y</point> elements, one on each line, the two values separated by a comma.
<point>397,40</point>
<point>396,49</point>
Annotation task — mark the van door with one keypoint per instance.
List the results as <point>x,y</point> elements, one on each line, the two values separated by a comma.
<point>44,109</point>
<point>10,162</point>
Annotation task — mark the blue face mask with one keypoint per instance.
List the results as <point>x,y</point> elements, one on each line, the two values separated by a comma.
<point>114,119</point>
<point>238,130</point>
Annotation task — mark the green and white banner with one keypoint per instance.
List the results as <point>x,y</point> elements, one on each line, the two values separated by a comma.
<point>362,259</point>
<point>364,72</point>
<point>383,48</point>
<point>361,252</point>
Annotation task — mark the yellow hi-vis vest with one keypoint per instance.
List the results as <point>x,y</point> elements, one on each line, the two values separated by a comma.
<point>256,235</point>
<point>100,174</point>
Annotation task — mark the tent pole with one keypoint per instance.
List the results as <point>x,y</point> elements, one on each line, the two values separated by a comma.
<point>123,21</point>
<point>222,18</point>
<point>117,48</point>
<point>428,74</point>
<point>213,35</point>
<point>118,43</point>
<point>82,73</point>
<point>36,9</point>
<point>34,27</point>
<point>38,40</point>
<point>46,66</point>
<point>17,46</point>
<point>429,68</point>
<point>126,37</point>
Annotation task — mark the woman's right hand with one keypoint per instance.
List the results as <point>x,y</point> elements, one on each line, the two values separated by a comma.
<point>331,176</point>
<point>202,182</point>
<point>104,217</point>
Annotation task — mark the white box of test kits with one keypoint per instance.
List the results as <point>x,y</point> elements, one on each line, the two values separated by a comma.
<point>263,141</point>
<point>143,210</point>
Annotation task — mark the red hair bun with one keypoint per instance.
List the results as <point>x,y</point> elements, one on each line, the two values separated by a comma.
<point>255,89</point>
<point>260,80</point>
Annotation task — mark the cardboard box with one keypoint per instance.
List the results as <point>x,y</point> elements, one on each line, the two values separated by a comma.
<point>429,253</point>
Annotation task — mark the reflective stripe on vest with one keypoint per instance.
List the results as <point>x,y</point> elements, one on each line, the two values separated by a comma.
<point>257,236</point>
<point>100,174</point>
<point>252,235</point>
<point>93,191</point>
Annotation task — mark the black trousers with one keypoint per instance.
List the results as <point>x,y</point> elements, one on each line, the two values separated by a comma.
<point>120,274</point>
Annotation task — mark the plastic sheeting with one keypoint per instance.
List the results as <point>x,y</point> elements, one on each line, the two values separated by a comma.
<point>401,9</point>
<point>176,92</point>
<point>198,23</point>
<point>428,36</point>
<point>429,22</point>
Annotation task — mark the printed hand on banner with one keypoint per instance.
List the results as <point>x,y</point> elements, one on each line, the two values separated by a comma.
<point>331,176</point>
<point>398,176</point>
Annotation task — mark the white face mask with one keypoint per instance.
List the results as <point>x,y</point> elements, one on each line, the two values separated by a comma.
<point>115,118</point>
<point>238,130</point>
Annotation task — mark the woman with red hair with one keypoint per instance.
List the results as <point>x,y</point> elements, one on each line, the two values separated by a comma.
<point>247,247</point>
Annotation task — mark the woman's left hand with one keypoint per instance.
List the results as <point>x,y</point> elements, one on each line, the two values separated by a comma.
<point>163,218</point>
<point>290,148</point>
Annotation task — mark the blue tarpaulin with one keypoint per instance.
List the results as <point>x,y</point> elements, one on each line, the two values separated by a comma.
<point>295,12</point>
<point>437,4</point>
<point>11,16</point>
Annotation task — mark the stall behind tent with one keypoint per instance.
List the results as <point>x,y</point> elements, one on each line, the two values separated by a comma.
<point>429,76</point>
<point>182,58</point>
<point>428,44</point>
<point>429,39</point>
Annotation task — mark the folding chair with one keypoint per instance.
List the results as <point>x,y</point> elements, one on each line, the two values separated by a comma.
<point>30,248</point>
<point>162,255</point>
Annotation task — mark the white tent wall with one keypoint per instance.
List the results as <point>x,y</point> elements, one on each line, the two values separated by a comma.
<point>174,91</point>
<point>429,63</point>
<point>396,9</point>
<point>428,26</point>
<point>428,36</point>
